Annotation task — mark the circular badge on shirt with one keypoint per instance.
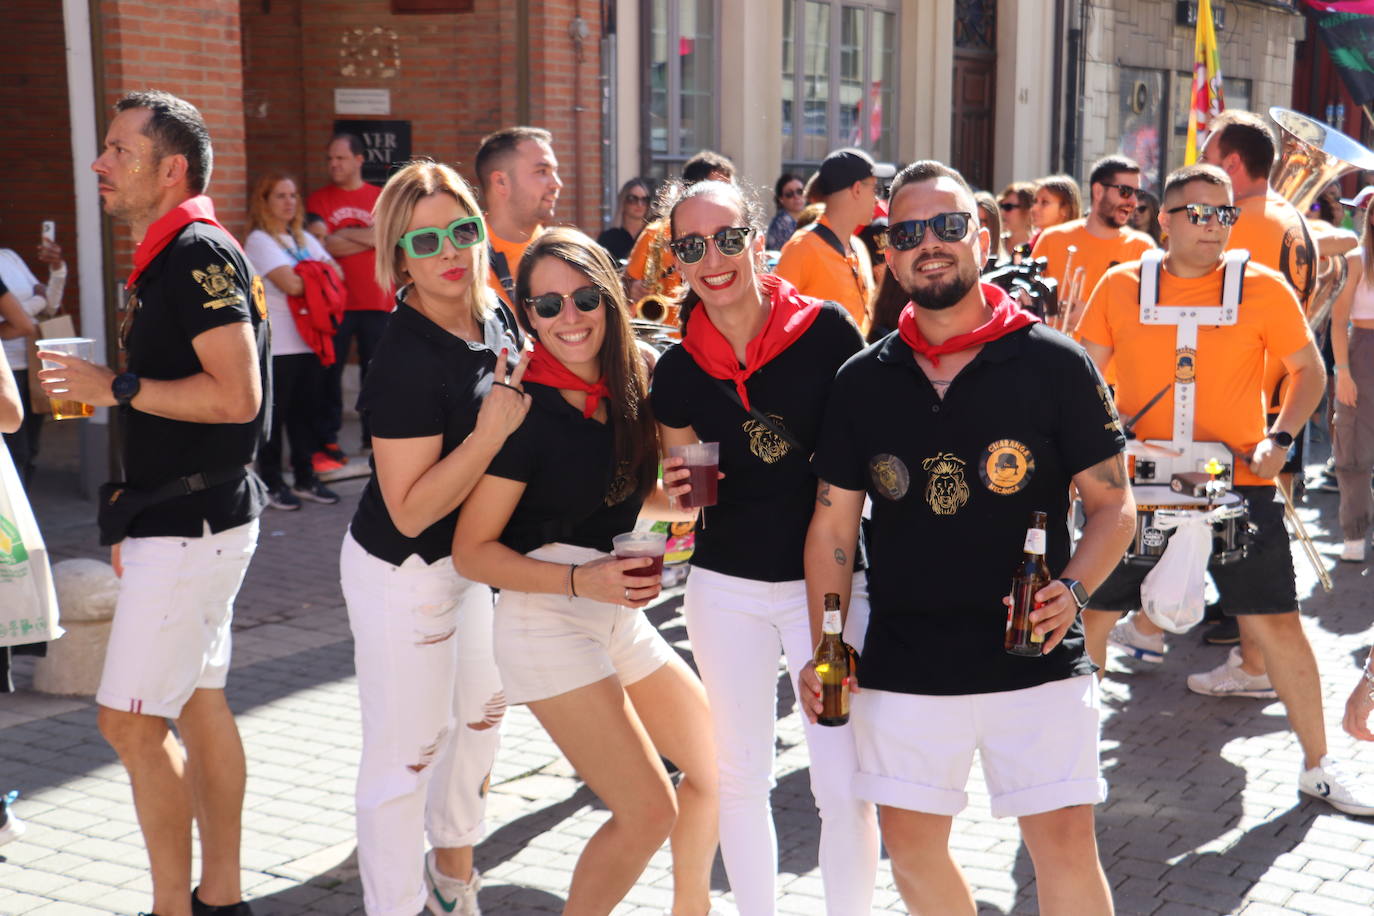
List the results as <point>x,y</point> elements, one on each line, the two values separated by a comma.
<point>259,297</point>
<point>1007,467</point>
<point>890,476</point>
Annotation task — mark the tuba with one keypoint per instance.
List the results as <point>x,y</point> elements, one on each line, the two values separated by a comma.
<point>654,305</point>
<point>1311,156</point>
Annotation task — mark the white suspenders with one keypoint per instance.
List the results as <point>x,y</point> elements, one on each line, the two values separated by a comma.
<point>1187,319</point>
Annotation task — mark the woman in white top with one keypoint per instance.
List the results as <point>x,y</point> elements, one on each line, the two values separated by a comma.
<point>1352,439</point>
<point>276,244</point>
<point>19,310</point>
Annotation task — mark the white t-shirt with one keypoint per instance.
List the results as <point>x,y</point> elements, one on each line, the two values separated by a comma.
<point>1362,306</point>
<point>266,255</point>
<point>15,274</point>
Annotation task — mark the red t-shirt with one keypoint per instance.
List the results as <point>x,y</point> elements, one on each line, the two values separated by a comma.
<point>343,209</point>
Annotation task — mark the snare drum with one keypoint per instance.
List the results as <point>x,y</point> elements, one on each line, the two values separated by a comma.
<point>1230,527</point>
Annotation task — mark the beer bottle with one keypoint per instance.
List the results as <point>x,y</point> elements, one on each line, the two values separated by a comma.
<point>832,666</point>
<point>1031,576</point>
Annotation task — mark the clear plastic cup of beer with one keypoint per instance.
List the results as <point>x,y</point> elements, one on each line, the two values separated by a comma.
<point>81,347</point>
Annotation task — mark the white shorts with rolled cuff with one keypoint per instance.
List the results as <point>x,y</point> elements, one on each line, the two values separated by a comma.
<point>547,645</point>
<point>1038,747</point>
<point>170,635</point>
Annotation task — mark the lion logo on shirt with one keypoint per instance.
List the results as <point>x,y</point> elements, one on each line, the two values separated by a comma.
<point>623,485</point>
<point>763,442</point>
<point>946,490</point>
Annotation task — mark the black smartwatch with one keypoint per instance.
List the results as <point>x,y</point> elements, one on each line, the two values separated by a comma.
<point>1080,594</point>
<point>1281,439</point>
<point>125,388</point>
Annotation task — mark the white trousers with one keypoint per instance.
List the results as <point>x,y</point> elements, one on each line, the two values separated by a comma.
<point>431,710</point>
<point>736,627</point>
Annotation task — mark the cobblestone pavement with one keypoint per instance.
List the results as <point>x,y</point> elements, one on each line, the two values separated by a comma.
<point>1203,815</point>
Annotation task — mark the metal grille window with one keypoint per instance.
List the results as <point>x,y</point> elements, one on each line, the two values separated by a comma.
<point>839,79</point>
<point>681,51</point>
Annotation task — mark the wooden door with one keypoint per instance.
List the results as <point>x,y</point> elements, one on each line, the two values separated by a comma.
<point>972,110</point>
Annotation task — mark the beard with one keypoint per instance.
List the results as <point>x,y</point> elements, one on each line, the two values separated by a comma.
<point>1108,215</point>
<point>938,296</point>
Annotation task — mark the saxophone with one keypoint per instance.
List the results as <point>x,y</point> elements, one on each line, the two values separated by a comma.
<point>655,305</point>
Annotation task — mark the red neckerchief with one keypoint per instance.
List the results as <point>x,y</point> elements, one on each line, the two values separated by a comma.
<point>545,369</point>
<point>1007,316</point>
<point>198,209</point>
<point>789,315</point>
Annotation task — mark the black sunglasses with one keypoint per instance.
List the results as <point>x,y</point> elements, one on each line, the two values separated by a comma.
<point>1201,214</point>
<point>948,227</point>
<point>550,305</point>
<point>1007,206</point>
<point>1127,192</point>
<point>636,198</point>
<point>730,242</point>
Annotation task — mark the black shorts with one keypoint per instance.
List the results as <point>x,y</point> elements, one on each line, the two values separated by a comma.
<point>1262,583</point>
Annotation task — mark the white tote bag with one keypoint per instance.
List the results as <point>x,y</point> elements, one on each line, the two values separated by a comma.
<point>28,602</point>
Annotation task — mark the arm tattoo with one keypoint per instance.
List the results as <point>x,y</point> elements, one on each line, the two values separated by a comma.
<point>1112,472</point>
<point>840,558</point>
<point>823,494</point>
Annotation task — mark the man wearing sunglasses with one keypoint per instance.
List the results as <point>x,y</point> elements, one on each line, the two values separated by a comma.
<point>1223,384</point>
<point>971,376</point>
<point>518,173</point>
<point>1103,238</point>
<point>346,207</point>
<point>826,260</point>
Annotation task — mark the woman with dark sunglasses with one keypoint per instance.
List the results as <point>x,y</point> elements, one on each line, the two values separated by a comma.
<point>753,373</point>
<point>441,405</point>
<point>571,641</point>
<point>631,217</point>
<point>1015,202</point>
<point>789,195</point>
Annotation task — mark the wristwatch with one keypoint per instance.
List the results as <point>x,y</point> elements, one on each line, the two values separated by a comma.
<point>1282,439</point>
<point>125,387</point>
<point>1080,594</point>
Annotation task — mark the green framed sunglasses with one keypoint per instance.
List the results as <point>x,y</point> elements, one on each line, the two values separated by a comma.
<point>427,242</point>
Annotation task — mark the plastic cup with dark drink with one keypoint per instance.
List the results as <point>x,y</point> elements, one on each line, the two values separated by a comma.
<point>64,408</point>
<point>702,460</point>
<point>642,544</point>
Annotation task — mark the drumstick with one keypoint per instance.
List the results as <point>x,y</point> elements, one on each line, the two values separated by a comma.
<point>1061,320</point>
<point>1071,321</point>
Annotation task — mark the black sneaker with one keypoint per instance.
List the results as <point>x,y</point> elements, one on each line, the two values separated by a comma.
<point>1224,633</point>
<point>282,498</point>
<point>316,492</point>
<point>229,909</point>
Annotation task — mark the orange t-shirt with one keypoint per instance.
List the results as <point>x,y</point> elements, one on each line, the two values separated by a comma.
<point>1097,255</point>
<point>513,251</point>
<point>1276,235</point>
<point>818,270</point>
<point>1228,367</point>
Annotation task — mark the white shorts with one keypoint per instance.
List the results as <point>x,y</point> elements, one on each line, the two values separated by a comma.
<point>1038,748</point>
<point>170,635</point>
<point>547,645</point>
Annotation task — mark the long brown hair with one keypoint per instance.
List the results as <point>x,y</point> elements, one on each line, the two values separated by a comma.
<point>259,216</point>
<point>622,365</point>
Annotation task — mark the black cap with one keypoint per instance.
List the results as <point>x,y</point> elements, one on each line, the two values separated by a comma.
<point>842,168</point>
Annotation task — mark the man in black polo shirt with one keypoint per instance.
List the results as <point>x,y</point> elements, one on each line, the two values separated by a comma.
<point>919,422</point>
<point>183,525</point>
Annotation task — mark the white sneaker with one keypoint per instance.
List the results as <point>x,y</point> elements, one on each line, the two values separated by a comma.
<point>449,896</point>
<point>1353,552</point>
<point>12,828</point>
<point>1342,791</point>
<point>1229,680</point>
<point>1135,643</point>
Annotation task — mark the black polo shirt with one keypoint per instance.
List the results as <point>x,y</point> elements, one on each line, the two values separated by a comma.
<point>953,484</point>
<point>422,381</point>
<point>198,282</point>
<point>575,491</point>
<point>757,529</point>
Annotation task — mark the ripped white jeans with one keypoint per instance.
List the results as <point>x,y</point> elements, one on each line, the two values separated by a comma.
<point>431,712</point>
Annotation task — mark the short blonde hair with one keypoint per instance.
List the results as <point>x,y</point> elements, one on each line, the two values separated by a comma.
<point>408,186</point>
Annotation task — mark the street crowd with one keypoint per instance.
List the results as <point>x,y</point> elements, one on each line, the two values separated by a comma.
<point>887,412</point>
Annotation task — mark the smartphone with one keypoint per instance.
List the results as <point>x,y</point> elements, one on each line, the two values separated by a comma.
<point>49,232</point>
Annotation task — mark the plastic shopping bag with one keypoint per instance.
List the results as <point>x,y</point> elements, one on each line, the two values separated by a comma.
<point>28,601</point>
<point>1173,593</point>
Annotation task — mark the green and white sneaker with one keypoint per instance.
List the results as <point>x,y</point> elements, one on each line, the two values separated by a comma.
<point>449,896</point>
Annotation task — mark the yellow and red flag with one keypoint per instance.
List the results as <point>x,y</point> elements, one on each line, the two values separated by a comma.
<point>1207,98</point>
